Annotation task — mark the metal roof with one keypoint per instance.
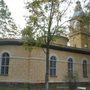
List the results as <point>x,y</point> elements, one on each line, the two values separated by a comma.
<point>11,42</point>
<point>52,46</point>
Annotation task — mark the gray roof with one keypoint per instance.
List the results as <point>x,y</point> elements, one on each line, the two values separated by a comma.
<point>59,47</point>
<point>11,42</point>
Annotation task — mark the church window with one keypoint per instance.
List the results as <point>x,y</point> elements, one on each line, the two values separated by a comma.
<point>5,64</point>
<point>53,66</point>
<point>70,66</point>
<point>85,69</point>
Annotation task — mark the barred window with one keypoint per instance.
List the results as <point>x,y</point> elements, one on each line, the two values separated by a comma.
<point>84,69</point>
<point>5,64</point>
<point>53,66</point>
<point>70,66</point>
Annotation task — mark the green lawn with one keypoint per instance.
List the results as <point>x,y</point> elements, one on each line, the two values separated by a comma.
<point>88,88</point>
<point>12,88</point>
<point>22,88</point>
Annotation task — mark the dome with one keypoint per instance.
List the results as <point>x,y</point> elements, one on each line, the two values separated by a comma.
<point>61,40</point>
<point>78,11</point>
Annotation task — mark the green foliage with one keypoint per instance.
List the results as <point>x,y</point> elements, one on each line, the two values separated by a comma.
<point>73,77</point>
<point>71,80</point>
<point>88,5</point>
<point>45,20</point>
<point>85,19</point>
<point>8,28</point>
<point>28,37</point>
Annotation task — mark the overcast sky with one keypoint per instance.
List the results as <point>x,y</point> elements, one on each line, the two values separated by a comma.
<point>18,11</point>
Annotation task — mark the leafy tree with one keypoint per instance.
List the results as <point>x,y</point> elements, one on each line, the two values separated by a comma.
<point>85,19</point>
<point>88,13</point>
<point>8,28</point>
<point>44,23</point>
<point>71,80</point>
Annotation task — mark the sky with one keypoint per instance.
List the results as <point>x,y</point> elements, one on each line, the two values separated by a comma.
<point>18,11</point>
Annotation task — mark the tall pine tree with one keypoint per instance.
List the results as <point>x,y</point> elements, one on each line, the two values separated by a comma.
<point>8,28</point>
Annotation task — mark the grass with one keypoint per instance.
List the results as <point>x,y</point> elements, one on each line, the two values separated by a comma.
<point>26,88</point>
<point>12,88</point>
<point>88,88</point>
<point>20,88</point>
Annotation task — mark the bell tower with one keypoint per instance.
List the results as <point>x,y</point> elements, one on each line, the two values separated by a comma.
<point>79,32</point>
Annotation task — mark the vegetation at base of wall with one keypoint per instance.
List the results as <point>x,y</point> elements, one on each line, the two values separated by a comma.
<point>34,88</point>
<point>71,79</point>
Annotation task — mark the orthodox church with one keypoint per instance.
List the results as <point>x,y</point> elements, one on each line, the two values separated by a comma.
<point>17,65</point>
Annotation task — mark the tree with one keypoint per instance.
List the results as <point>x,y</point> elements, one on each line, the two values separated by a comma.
<point>85,19</point>
<point>8,28</point>
<point>88,13</point>
<point>71,80</point>
<point>44,23</point>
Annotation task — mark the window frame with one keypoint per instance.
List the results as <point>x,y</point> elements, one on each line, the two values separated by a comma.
<point>70,66</point>
<point>53,65</point>
<point>5,63</point>
<point>85,68</point>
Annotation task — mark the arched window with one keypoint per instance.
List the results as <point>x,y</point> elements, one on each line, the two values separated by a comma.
<point>84,65</point>
<point>70,66</point>
<point>5,64</point>
<point>53,66</point>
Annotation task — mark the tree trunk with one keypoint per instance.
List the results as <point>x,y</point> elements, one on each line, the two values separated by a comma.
<point>47,48</point>
<point>47,68</point>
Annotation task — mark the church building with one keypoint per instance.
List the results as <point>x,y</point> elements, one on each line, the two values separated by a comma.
<point>18,65</point>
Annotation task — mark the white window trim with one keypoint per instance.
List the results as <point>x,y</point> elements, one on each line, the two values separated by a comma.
<point>73,62</point>
<point>53,54</point>
<point>87,66</point>
<point>4,51</point>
